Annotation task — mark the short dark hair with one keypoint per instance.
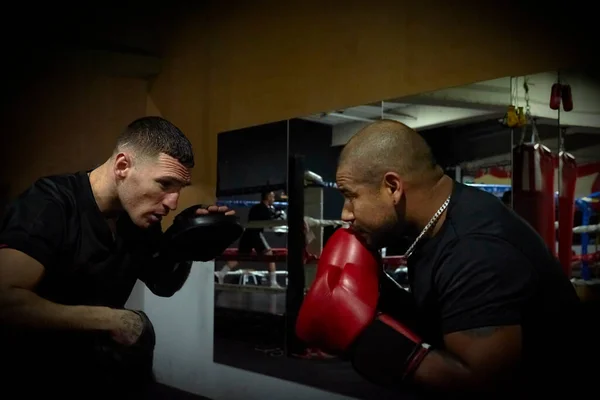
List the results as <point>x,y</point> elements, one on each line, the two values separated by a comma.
<point>265,194</point>
<point>154,135</point>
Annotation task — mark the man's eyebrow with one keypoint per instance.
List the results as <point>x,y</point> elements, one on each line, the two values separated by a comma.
<point>175,180</point>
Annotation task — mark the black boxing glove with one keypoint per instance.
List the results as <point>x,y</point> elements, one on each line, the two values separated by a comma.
<point>388,352</point>
<point>128,363</point>
<point>147,340</point>
<point>199,237</point>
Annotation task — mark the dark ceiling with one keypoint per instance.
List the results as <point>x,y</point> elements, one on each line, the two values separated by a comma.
<point>453,145</point>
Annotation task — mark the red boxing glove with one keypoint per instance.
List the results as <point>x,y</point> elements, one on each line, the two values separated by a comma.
<point>339,314</point>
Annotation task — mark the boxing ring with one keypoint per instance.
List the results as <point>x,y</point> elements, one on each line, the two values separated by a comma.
<point>590,261</point>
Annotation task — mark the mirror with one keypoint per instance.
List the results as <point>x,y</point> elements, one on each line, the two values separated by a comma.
<point>251,276</point>
<point>471,137</point>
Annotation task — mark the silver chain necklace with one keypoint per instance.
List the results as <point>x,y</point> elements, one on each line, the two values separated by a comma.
<point>429,225</point>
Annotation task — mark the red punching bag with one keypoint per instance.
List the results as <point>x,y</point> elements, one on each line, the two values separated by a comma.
<point>533,188</point>
<point>566,208</point>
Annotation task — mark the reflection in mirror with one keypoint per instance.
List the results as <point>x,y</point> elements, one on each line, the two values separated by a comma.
<point>251,276</point>
<point>478,135</point>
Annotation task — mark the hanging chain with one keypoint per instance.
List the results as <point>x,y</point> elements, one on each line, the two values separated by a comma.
<point>535,138</point>
<point>527,106</point>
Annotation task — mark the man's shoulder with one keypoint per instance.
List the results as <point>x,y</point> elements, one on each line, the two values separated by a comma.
<point>481,253</point>
<point>54,196</point>
<point>473,207</point>
<point>475,213</point>
<point>479,244</point>
<point>58,189</point>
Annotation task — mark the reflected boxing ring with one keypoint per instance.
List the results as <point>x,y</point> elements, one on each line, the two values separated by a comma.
<point>247,288</point>
<point>589,261</point>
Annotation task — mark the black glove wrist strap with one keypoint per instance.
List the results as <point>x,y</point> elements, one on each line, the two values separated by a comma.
<point>147,338</point>
<point>385,356</point>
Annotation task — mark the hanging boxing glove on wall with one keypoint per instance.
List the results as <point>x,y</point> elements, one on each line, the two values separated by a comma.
<point>567,98</point>
<point>555,96</point>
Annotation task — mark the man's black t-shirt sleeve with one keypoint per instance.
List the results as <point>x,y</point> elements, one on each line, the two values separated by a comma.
<point>34,225</point>
<point>483,282</point>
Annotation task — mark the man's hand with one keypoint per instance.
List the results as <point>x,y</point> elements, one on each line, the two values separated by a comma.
<point>128,327</point>
<point>215,210</point>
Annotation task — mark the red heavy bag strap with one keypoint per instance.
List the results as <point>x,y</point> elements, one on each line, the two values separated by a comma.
<point>566,209</point>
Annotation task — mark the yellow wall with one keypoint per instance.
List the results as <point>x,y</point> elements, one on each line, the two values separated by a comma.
<point>228,65</point>
<point>67,122</point>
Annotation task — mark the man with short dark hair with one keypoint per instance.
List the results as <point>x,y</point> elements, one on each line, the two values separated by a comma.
<point>489,312</point>
<point>254,238</point>
<point>72,247</point>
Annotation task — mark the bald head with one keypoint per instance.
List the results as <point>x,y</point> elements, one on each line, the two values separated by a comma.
<point>388,146</point>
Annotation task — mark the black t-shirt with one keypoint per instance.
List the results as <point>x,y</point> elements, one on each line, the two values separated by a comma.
<point>259,212</point>
<point>487,267</point>
<point>58,223</point>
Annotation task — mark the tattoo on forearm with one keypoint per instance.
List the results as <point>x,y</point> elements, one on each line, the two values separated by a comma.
<point>132,326</point>
<point>486,331</point>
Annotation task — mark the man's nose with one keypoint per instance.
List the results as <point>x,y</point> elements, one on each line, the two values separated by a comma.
<point>347,215</point>
<point>171,200</point>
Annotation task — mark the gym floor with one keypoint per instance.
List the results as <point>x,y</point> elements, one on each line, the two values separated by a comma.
<point>255,342</point>
<point>159,392</point>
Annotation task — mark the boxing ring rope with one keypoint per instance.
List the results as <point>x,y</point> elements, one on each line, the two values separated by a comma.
<point>584,205</point>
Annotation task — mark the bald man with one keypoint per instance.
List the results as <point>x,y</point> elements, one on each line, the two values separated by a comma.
<point>495,315</point>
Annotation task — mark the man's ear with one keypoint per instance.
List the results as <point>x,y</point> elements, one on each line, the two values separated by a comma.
<point>394,186</point>
<point>122,165</point>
